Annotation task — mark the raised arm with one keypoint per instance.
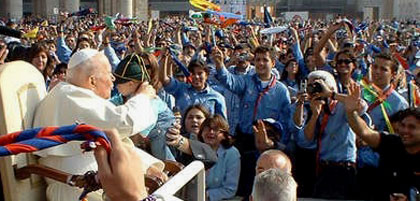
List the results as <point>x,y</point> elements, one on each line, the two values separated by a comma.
<point>163,73</point>
<point>137,44</point>
<point>353,104</point>
<point>323,41</point>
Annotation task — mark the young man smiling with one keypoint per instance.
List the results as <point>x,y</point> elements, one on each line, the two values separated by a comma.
<point>384,70</point>
<point>262,97</point>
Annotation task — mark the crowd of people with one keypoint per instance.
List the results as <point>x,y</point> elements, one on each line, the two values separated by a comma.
<point>274,110</point>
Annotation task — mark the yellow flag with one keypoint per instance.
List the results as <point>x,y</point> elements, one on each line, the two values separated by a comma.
<point>205,5</point>
<point>32,33</point>
<point>44,23</point>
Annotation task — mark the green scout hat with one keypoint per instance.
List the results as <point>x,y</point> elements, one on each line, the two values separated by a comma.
<point>131,68</point>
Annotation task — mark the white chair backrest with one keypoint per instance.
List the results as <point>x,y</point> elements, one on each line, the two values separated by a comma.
<point>22,87</point>
<point>194,170</point>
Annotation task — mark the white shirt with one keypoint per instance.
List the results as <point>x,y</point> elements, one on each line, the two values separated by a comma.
<point>67,103</point>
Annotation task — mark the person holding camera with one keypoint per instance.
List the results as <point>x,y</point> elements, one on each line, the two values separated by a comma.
<point>326,129</point>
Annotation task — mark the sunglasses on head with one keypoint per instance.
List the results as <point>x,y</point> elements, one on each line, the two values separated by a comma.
<point>346,61</point>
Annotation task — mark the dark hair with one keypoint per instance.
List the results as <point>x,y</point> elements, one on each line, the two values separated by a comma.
<point>198,107</point>
<point>389,57</point>
<point>412,111</point>
<point>37,48</point>
<point>264,49</point>
<point>346,52</point>
<point>80,40</point>
<point>221,124</point>
<point>285,74</point>
<point>17,51</point>
<point>197,64</point>
<point>241,46</point>
<point>59,67</point>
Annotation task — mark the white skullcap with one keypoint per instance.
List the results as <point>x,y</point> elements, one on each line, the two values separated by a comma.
<point>81,56</point>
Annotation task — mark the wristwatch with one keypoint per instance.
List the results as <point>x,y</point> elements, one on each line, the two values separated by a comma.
<point>180,143</point>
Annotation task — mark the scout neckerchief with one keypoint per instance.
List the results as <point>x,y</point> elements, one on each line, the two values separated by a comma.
<point>377,97</point>
<point>331,106</point>
<point>262,93</point>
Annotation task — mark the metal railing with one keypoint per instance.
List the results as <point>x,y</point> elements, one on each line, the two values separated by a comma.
<point>170,188</point>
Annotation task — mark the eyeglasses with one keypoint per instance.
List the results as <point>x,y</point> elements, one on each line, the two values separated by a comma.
<point>215,129</point>
<point>346,61</point>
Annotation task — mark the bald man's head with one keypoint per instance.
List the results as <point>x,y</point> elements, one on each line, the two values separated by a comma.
<point>273,159</point>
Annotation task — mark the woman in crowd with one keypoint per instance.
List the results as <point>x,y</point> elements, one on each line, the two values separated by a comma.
<point>292,78</point>
<point>38,55</point>
<point>185,143</point>
<point>222,179</point>
<point>345,64</point>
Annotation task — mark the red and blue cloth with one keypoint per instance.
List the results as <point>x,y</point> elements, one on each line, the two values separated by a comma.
<point>41,138</point>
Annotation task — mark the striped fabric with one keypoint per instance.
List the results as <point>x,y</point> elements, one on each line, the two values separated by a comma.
<point>41,138</point>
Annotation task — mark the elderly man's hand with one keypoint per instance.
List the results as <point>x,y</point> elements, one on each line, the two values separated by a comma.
<point>146,89</point>
<point>120,172</point>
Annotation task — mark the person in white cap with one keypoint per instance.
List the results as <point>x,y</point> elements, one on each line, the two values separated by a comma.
<point>83,98</point>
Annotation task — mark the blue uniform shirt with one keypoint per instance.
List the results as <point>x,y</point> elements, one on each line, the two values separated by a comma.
<point>233,101</point>
<point>274,104</point>
<point>63,51</point>
<point>156,132</point>
<point>223,178</point>
<point>338,141</point>
<point>185,96</point>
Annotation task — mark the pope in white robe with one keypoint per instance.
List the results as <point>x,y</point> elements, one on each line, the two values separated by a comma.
<point>83,99</point>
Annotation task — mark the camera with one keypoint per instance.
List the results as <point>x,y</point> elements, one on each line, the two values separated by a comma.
<point>314,88</point>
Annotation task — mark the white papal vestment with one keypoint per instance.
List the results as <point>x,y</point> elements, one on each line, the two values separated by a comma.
<point>67,104</point>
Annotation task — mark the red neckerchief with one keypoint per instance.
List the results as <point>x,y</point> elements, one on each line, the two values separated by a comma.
<point>261,94</point>
<point>324,123</point>
<point>383,95</point>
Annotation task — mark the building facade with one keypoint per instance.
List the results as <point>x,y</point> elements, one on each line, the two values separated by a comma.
<point>233,6</point>
<point>15,9</point>
<point>255,8</point>
<point>170,7</point>
<point>373,9</point>
<point>405,9</point>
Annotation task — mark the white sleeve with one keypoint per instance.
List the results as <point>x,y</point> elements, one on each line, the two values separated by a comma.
<point>140,110</point>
